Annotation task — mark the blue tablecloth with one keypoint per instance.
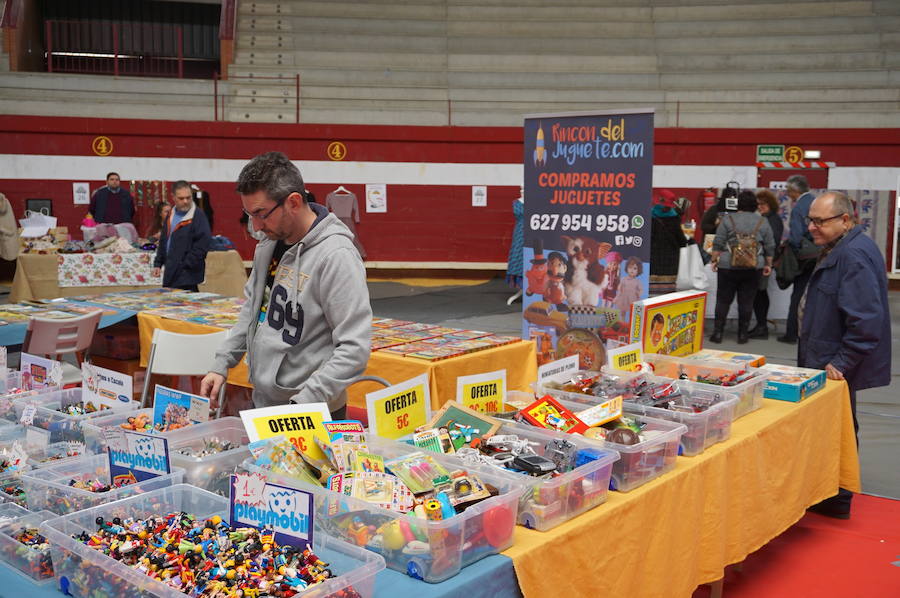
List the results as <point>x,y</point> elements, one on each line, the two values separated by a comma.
<point>488,578</point>
<point>14,334</point>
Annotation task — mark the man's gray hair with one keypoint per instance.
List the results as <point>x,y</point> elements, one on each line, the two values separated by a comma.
<point>798,182</point>
<point>273,173</point>
<point>841,203</point>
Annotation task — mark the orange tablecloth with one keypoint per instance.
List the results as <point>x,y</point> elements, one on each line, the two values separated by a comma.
<point>669,536</point>
<point>517,358</point>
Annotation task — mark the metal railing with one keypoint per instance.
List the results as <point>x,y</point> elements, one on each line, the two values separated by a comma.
<point>94,47</point>
<point>282,92</point>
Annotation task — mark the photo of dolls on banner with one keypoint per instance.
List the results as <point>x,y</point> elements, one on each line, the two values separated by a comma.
<point>578,298</point>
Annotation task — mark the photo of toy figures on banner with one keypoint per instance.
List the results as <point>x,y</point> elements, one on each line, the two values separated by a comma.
<point>588,184</point>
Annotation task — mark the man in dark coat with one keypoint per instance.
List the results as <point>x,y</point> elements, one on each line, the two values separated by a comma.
<point>183,243</point>
<point>845,325</point>
<point>112,203</point>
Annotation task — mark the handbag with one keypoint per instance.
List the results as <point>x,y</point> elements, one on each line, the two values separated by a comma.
<point>691,274</point>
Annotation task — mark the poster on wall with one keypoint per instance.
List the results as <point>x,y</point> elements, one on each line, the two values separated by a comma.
<point>376,198</point>
<point>588,186</point>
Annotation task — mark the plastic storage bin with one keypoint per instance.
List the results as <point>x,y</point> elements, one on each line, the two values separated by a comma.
<point>546,386</point>
<point>62,427</point>
<point>12,489</point>
<point>704,429</point>
<point>48,488</point>
<point>440,549</point>
<point>87,573</point>
<point>644,461</point>
<point>545,503</point>
<point>749,392</point>
<point>212,472</point>
<point>33,563</point>
<point>35,443</point>
<point>94,439</point>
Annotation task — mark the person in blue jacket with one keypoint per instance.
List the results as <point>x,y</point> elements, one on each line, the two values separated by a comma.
<point>845,325</point>
<point>183,243</point>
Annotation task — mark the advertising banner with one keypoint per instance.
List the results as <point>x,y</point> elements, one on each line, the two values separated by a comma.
<point>588,185</point>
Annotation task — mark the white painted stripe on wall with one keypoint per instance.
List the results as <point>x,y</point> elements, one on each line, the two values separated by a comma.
<point>93,168</point>
<point>861,177</point>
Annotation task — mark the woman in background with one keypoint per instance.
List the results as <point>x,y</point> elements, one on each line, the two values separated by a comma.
<point>767,205</point>
<point>160,214</point>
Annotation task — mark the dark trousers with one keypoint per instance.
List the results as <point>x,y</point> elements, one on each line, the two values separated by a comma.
<point>743,282</point>
<point>761,307</point>
<point>189,287</point>
<point>800,282</point>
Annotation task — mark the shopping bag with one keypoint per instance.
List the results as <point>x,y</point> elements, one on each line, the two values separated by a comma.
<point>36,224</point>
<point>691,274</point>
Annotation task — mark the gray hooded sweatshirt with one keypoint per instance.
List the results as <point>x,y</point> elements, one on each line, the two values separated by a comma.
<point>314,340</point>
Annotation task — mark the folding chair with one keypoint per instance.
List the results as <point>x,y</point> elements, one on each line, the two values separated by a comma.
<point>176,354</point>
<point>54,338</point>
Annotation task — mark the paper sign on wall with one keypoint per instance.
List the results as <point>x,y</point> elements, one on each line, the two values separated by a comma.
<point>396,411</point>
<point>176,409</point>
<point>626,358</point>
<point>479,196</point>
<point>107,388</point>
<point>300,423</point>
<point>39,372</point>
<point>560,366</point>
<point>286,511</point>
<point>376,198</point>
<point>482,392</point>
<point>134,457</point>
<point>81,193</point>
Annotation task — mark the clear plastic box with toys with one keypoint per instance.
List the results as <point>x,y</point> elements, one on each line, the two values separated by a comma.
<point>209,452</point>
<point>590,388</point>
<point>747,383</point>
<point>22,548</point>
<point>431,548</point>
<point>61,412</point>
<point>137,420</point>
<point>83,483</point>
<point>84,572</point>
<point>647,446</point>
<point>583,469</point>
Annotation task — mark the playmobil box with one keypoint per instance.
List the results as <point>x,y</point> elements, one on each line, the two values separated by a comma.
<point>745,359</point>
<point>670,324</point>
<point>788,383</point>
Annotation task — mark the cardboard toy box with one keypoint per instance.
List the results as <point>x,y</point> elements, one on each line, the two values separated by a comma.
<point>745,359</point>
<point>788,383</point>
<point>670,324</point>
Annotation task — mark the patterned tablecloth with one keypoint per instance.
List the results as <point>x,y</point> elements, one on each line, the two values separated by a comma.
<point>107,269</point>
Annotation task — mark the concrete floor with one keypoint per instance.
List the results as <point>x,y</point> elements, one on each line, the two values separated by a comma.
<point>483,307</point>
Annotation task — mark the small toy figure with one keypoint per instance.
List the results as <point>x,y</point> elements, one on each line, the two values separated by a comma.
<point>629,287</point>
<point>554,292</point>
<point>537,274</point>
<point>584,274</point>
<point>610,285</point>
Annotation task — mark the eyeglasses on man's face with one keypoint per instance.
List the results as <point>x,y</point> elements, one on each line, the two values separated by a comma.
<point>260,215</point>
<point>818,222</point>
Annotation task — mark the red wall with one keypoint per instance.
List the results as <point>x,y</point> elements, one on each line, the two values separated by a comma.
<point>424,222</point>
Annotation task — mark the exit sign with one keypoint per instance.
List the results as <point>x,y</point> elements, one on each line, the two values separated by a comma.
<point>769,153</point>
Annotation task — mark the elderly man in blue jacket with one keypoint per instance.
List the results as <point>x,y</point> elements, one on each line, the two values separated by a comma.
<point>183,243</point>
<point>845,325</point>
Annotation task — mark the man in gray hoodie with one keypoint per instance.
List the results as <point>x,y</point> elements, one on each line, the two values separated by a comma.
<point>306,324</point>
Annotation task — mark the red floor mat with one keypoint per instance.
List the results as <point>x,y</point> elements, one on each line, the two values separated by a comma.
<point>824,557</point>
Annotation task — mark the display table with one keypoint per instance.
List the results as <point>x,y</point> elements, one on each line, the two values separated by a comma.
<point>682,529</point>
<point>517,358</point>
<point>37,278</point>
<point>13,333</point>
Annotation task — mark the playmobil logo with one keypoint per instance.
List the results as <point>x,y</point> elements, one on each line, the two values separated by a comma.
<point>283,510</point>
<point>148,463</point>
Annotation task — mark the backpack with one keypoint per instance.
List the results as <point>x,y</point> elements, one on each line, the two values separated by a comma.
<point>745,246</point>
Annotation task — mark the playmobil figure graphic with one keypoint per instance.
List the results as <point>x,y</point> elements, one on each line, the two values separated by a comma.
<point>585,274</point>
<point>629,287</point>
<point>537,274</point>
<point>610,285</point>
<point>554,292</point>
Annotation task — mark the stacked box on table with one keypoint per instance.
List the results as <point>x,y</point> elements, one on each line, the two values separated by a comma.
<point>441,549</point>
<point>62,427</point>
<point>547,502</point>
<point>639,463</point>
<point>749,391</point>
<point>788,383</point>
<point>86,573</point>
<point>48,488</point>
<point>210,472</point>
<point>705,428</point>
<point>743,359</point>
<point>33,562</point>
